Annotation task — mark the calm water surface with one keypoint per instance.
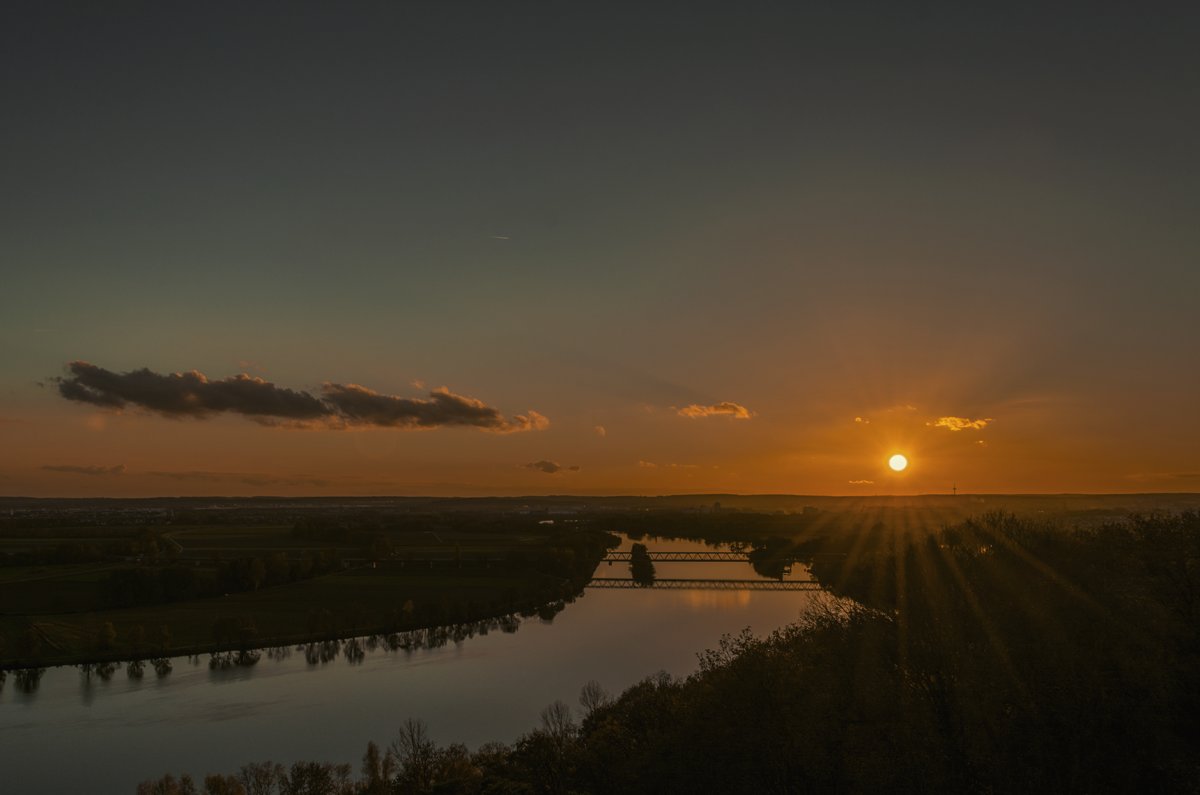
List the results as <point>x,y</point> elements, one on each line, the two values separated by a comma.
<point>82,734</point>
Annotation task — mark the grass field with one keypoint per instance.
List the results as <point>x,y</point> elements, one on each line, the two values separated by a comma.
<point>56,613</point>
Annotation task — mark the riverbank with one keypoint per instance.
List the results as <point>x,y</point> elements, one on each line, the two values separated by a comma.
<point>513,574</point>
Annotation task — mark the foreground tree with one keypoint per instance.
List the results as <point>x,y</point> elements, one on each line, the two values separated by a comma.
<point>414,754</point>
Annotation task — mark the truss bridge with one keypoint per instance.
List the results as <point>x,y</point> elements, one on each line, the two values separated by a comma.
<point>677,584</point>
<point>681,557</point>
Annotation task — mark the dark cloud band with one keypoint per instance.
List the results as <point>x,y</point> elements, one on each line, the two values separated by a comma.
<point>192,394</point>
<point>549,467</point>
<point>361,406</point>
<point>71,469</point>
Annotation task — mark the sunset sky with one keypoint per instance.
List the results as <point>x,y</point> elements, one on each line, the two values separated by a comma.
<point>504,248</point>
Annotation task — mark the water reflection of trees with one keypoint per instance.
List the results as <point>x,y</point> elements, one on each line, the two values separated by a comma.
<point>354,650</point>
<point>278,653</point>
<point>26,680</point>
<point>103,671</point>
<point>227,660</point>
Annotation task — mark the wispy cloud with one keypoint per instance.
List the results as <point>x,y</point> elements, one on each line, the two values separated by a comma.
<point>549,467</point>
<point>960,423</point>
<point>193,395</point>
<point>85,470</point>
<point>600,430</point>
<point>1165,477</point>
<point>723,409</point>
<point>861,482</point>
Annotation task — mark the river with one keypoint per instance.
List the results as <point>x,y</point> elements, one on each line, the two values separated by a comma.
<point>77,733</point>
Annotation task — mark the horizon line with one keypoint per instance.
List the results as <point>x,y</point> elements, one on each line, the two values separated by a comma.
<point>697,495</point>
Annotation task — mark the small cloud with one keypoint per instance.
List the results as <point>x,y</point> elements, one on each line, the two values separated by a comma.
<point>647,465</point>
<point>960,423</point>
<point>501,237</point>
<point>601,431</point>
<point>684,466</point>
<point>85,470</point>
<point>981,443</point>
<point>722,409</point>
<point>862,420</point>
<point>862,482</point>
<point>246,364</point>
<point>549,467</point>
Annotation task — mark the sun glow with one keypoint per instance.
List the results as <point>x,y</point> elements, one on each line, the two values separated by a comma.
<point>898,463</point>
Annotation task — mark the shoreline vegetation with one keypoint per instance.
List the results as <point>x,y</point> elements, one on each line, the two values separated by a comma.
<point>999,653</point>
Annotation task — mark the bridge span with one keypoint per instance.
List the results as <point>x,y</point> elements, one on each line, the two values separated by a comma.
<point>678,584</point>
<point>681,557</point>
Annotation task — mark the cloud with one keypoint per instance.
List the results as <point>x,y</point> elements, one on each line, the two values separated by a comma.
<point>549,467</point>
<point>361,406</point>
<point>723,409</point>
<point>188,394</point>
<point>862,482</point>
<point>85,470</point>
<point>193,395</point>
<point>862,420</point>
<point>600,431</point>
<point>960,423</point>
<point>647,464</point>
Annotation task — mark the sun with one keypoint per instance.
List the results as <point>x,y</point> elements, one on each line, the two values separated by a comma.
<point>898,463</point>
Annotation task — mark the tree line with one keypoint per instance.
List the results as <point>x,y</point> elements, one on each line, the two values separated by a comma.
<point>152,584</point>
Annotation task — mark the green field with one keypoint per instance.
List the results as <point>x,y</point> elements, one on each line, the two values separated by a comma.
<point>382,580</point>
